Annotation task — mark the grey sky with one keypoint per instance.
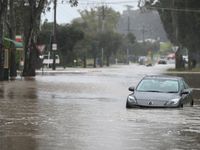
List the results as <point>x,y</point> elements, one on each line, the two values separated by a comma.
<point>65,13</point>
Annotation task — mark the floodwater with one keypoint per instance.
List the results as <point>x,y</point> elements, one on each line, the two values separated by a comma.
<point>85,110</point>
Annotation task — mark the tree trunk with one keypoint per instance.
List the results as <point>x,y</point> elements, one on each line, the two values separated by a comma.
<point>1,52</point>
<point>29,48</point>
<point>180,64</point>
<point>178,59</point>
<point>108,61</point>
<point>12,33</point>
<point>189,60</point>
<point>95,62</point>
<point>30,58</point>
<point>34,11</point>
<point>3,9</point>
<point>84,62</point>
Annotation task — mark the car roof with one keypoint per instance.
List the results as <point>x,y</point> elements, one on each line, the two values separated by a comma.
<point>162,77</point>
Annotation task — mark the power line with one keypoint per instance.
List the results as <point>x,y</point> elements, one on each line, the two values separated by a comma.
<point>101,2</point>
<point>113,3</point>
<point>175,9</point>
<point>96,2</point>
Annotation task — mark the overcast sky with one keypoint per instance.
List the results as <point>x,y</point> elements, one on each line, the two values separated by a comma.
<point>65,13</point>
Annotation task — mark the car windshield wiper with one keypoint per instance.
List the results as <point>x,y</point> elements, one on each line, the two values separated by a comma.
<point>154,91</point>
<point>172,92</point>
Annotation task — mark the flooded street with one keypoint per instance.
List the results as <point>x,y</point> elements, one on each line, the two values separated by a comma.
<point>85,110</point>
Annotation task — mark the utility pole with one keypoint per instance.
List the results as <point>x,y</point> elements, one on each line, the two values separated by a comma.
<point>129,7</point>
<point>128,30</point>
<point>143,31</point>
<point>102,30</point>
<point>54,44</point>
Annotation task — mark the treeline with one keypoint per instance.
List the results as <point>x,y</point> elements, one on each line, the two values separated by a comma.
<point>94,37</point>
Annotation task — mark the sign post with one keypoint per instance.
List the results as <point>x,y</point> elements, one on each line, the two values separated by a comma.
<point>54,49</point>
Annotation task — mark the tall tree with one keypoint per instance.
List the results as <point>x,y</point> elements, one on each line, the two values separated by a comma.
<point>96,23</point>
<point>111,47</point>
<point>34,10</point>
<point>11,25</point>
<point>3,11</point>
<point>181,20</point>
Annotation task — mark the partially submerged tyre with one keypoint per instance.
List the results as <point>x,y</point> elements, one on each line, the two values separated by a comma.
<point>180,105</point>
<point>128,105</point>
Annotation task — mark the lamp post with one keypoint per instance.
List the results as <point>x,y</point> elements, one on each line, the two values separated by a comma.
<point>54,45</point>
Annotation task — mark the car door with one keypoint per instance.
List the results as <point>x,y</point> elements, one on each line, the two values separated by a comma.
<point>185,97</point>
<point>189,96</point>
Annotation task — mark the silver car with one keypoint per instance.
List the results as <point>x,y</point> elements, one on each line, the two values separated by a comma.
<point>160,91</point>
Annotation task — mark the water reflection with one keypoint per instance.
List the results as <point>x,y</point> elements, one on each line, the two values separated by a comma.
<point>2,90</point>
<point>18,115</point>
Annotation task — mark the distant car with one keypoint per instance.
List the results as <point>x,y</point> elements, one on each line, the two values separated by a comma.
<point>162,61</point>
<point>160,92</point>
<point>48,60</point>
<point>142,60</point>
<point>185,58</point>
<point>149,64</point>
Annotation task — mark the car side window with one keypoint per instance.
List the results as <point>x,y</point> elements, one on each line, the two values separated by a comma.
<point>182,85</point>
<point>185,85</point>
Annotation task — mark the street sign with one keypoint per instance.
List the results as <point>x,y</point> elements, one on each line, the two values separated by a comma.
<point>40,48</point>
<point>18,38</point>
<point>54,47</point>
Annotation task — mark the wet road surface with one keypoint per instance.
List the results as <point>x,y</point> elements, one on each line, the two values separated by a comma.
<point>86,111</point>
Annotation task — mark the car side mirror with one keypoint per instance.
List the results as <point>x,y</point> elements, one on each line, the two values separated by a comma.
<point>132,89</point>
<point>184,92</point>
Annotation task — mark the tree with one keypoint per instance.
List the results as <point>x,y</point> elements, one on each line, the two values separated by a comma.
<point>68,37</point>
<point>11,26</point>
<point>181,21</point>
<point>95,24</point>
<point>31,22</point>
<point>111,47</point>
<point>34,8</point>
<point>3,11</point>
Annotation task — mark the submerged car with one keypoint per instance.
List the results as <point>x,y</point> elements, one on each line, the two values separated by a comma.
<point>160,92</point>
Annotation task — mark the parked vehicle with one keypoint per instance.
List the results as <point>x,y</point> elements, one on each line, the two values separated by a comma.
<point>160,91</point>
<point>142,60</point>
<point>48,60</point>
<point>162,61</point>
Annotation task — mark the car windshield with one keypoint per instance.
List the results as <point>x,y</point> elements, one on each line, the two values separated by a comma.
<point>158,85</point>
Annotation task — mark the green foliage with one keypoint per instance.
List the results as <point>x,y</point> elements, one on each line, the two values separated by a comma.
<point>131,38</point>
<point>67,37</point>
<point>99,25</point>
